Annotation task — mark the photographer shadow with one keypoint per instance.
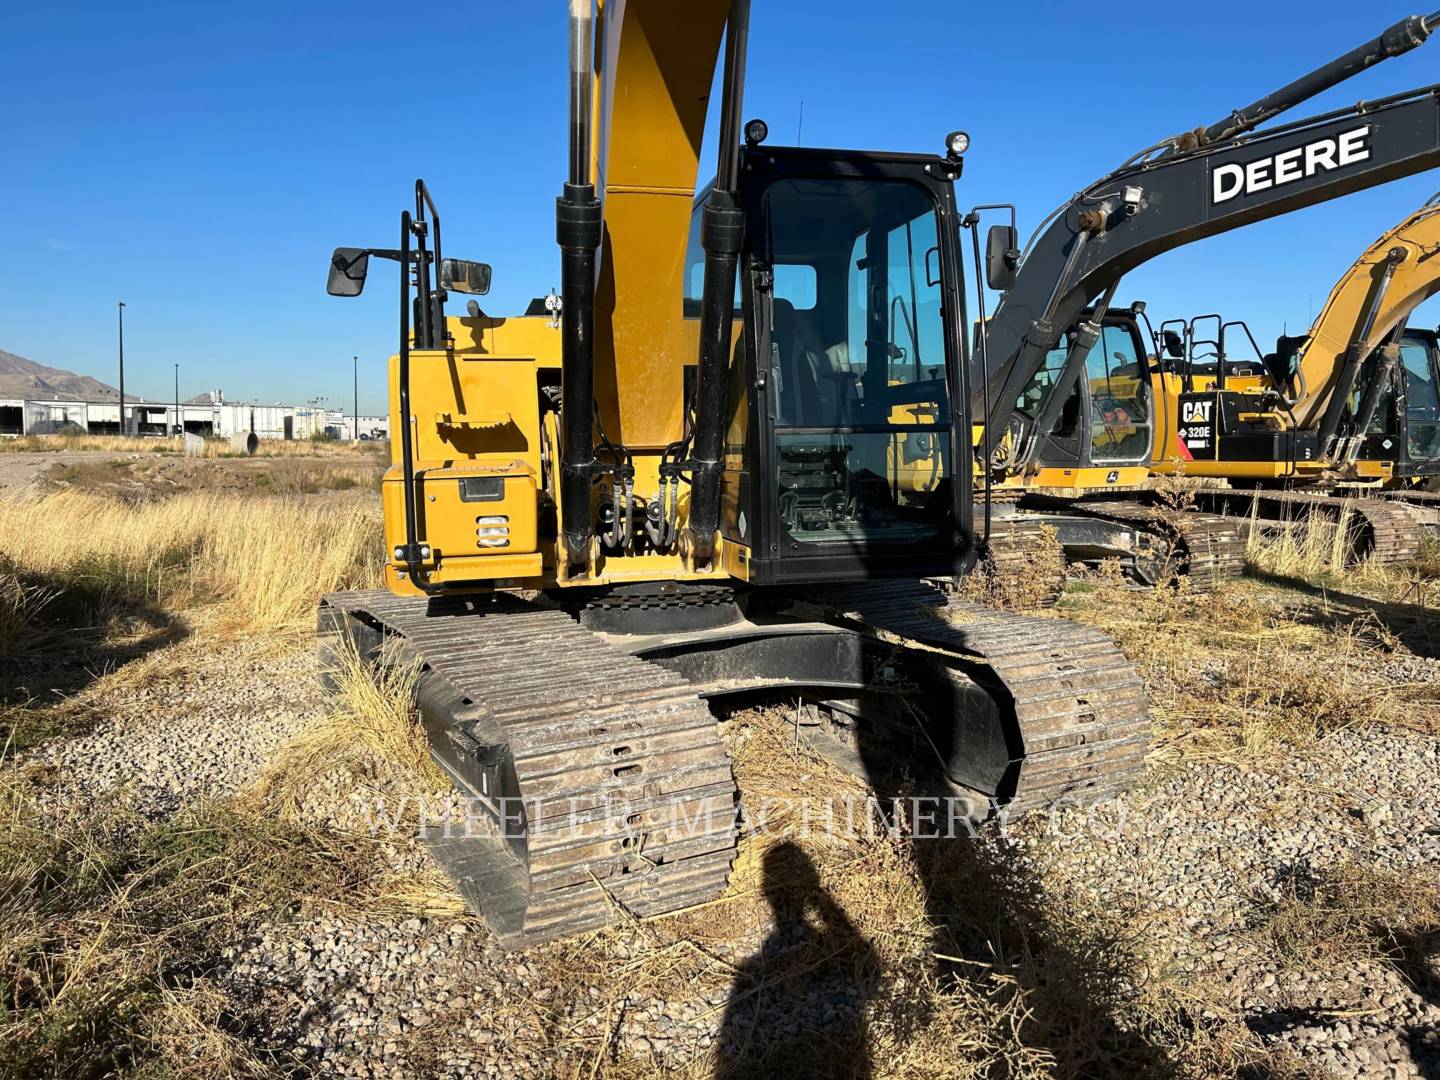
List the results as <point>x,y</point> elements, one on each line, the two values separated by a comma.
<point>797,1006</point>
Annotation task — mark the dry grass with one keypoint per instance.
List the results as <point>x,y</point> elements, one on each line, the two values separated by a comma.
<point>214,448</point>
<point>864,901</point>
<point>264,562</point>
<point>1310,546</point>
<point>22,603</point>
<point>1415,583</point>
<point>1344,915</point>
<point>1249,669</point>
<point>155,478</point>
<point>1176,491</point>
<point>111,930</point>
<point>1028,580</point>
<point>372,724</point>
<point>967,962</point>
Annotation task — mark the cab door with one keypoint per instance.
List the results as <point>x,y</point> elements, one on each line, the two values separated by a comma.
<point>853,318</point>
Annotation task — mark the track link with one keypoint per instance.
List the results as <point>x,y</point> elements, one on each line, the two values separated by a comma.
<point>1207,549</point>
<point>1424,505</point>
<point>593,780</point>
<point>1386,531</point>
<point>1022,565</point>
<point>1079,709</point>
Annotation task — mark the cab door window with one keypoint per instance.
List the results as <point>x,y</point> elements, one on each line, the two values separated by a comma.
<point>858,362</point>
<point>1119,399</point>
<point>1422,403</point>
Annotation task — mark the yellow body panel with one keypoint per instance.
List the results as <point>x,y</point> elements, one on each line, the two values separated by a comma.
<point>1112,432</point>
<point>1171,460</point>
<point>654,91</point>
<point>476,413</point>
<point>476,408</point>
<point>1415,279</point>
<point>1077,480</point>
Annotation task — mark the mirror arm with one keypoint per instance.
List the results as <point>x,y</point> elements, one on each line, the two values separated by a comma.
<point>380,253</point>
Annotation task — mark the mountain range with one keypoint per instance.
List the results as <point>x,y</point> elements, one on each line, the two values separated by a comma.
<point>33,381</point>
<point>22,378</point>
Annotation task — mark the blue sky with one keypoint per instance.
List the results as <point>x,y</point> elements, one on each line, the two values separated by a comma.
<point>199,161</point>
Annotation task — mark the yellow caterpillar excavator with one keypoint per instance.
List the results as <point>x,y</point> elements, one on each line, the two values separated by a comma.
<point>643,496</point>
<point>1348,409</point>
<point>1062,399</point>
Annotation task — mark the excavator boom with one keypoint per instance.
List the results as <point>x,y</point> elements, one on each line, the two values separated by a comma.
<point>1189,189</point>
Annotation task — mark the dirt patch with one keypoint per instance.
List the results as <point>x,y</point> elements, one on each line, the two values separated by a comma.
<point>21,469</point>
<point>145,477</point>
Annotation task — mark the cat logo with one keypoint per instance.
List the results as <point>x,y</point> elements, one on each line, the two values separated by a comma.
<point>1195,412</point>
<point>1113,476</point>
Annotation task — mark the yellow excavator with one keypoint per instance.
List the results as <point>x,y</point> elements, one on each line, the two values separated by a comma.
<point>727,458</point>
<point>1348,409</point>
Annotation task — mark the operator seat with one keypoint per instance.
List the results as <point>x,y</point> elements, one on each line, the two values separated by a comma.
<point>814,391</point>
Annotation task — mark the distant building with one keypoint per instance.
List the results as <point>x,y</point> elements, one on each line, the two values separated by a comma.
<point>209,414</point>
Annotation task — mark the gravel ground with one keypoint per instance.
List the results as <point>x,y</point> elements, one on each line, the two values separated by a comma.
<point>1204,855</point>
<point>204,730</point>
<point>24,469</point>
<point>1199,857</point>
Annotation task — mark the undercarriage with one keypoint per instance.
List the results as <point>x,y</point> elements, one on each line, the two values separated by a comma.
<point>1154,545</point>
<point>594,782</point>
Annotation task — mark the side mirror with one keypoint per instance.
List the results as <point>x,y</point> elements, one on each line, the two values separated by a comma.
<point>1174,347</point>
<point>348,267</point>
<point>1002,257</point>
<point>464,276</point>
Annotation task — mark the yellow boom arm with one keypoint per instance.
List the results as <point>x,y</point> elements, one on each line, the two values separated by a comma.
<point>1407,253</point>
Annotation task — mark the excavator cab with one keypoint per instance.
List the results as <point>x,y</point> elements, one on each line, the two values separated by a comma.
<point>1107,418</point>
<point>1405,427</point>
<point>841,435</point>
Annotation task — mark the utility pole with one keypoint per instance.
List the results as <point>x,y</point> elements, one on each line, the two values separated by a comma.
<point>120,311</point>
<point>355,360</point>
<point>179,420</point>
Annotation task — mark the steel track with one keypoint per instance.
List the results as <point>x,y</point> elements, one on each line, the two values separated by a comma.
<point>1386,531</point>
<point>601,781</point>
<point>605,753</point>
<point>1206,549</point>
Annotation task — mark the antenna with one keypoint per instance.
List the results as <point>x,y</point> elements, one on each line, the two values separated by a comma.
<point>800,124</point>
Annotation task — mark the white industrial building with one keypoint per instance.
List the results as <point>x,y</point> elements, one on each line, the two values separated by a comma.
<point>209,415</point>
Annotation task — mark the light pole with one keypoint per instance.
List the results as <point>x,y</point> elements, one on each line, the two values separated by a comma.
<point>120,311</point>
<point>355,360</point>
<point>179,420</point>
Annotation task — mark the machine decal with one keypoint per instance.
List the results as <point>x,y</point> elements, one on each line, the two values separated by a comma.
<point>1298,163</point>
<point>1197,425</point>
